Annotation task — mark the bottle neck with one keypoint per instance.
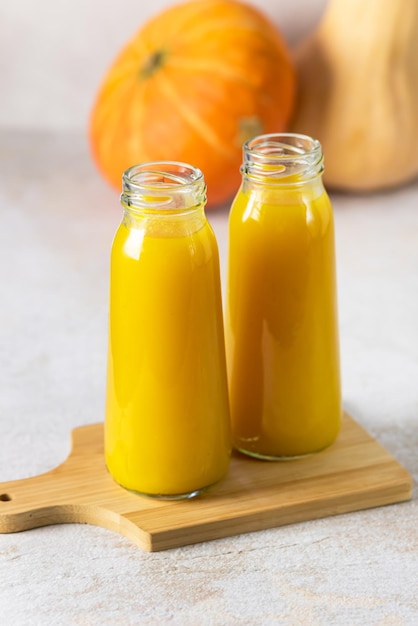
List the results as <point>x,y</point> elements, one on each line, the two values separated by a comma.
<point>165,193</point>
<point>282,161</point>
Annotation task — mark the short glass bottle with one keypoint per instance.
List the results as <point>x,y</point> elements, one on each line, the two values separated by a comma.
<point>167,431</point>
<point>281,318</point>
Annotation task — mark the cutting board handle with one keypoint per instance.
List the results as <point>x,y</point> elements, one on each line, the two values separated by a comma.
<point>40,500</point>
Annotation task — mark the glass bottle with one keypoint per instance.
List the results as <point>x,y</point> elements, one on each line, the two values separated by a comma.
<point>281,318</point>
<point>167,431</point>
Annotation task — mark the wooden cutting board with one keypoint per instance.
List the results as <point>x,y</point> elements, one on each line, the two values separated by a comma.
<point>354,473</point>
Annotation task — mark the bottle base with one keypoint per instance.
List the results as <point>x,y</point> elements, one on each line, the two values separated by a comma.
<point>171,497</point>
<point>281,457</point>
<point>186,495</point>
<point>269,457</point>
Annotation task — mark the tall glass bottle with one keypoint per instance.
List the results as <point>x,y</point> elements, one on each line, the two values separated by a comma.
<point>167,428</point>
<point>281,318</point>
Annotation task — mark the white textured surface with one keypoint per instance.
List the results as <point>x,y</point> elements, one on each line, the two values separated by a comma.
<point>57,222</point>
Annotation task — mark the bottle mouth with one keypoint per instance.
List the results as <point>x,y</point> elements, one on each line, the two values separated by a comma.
<point>163,185</point>
<point>282,158</point>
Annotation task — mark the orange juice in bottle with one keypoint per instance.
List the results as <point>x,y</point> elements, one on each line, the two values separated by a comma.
<point>281,318</point>
<point>167,430</point>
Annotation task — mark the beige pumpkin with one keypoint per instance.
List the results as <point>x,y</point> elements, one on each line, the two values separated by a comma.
<point>358,92</point>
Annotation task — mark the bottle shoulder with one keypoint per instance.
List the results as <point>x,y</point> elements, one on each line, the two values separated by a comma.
<point>284,208</point>
<point>169,240</point>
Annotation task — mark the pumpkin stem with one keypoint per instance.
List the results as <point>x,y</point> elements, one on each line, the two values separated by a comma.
<point>152,64</point>
<point>248,127</point>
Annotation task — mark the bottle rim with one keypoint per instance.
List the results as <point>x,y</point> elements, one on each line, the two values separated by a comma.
<point>280,156</point>
<point>163,185</point>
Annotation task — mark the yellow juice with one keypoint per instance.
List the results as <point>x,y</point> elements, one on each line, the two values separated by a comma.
<point>167,413</point>
<point>281,322</point>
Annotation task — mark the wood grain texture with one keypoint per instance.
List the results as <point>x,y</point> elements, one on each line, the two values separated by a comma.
<point>354,473</point>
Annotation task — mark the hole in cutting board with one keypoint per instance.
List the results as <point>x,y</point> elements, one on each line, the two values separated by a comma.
<point>4,497</point>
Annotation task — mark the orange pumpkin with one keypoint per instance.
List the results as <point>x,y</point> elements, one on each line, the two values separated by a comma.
<point>192,85</point>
